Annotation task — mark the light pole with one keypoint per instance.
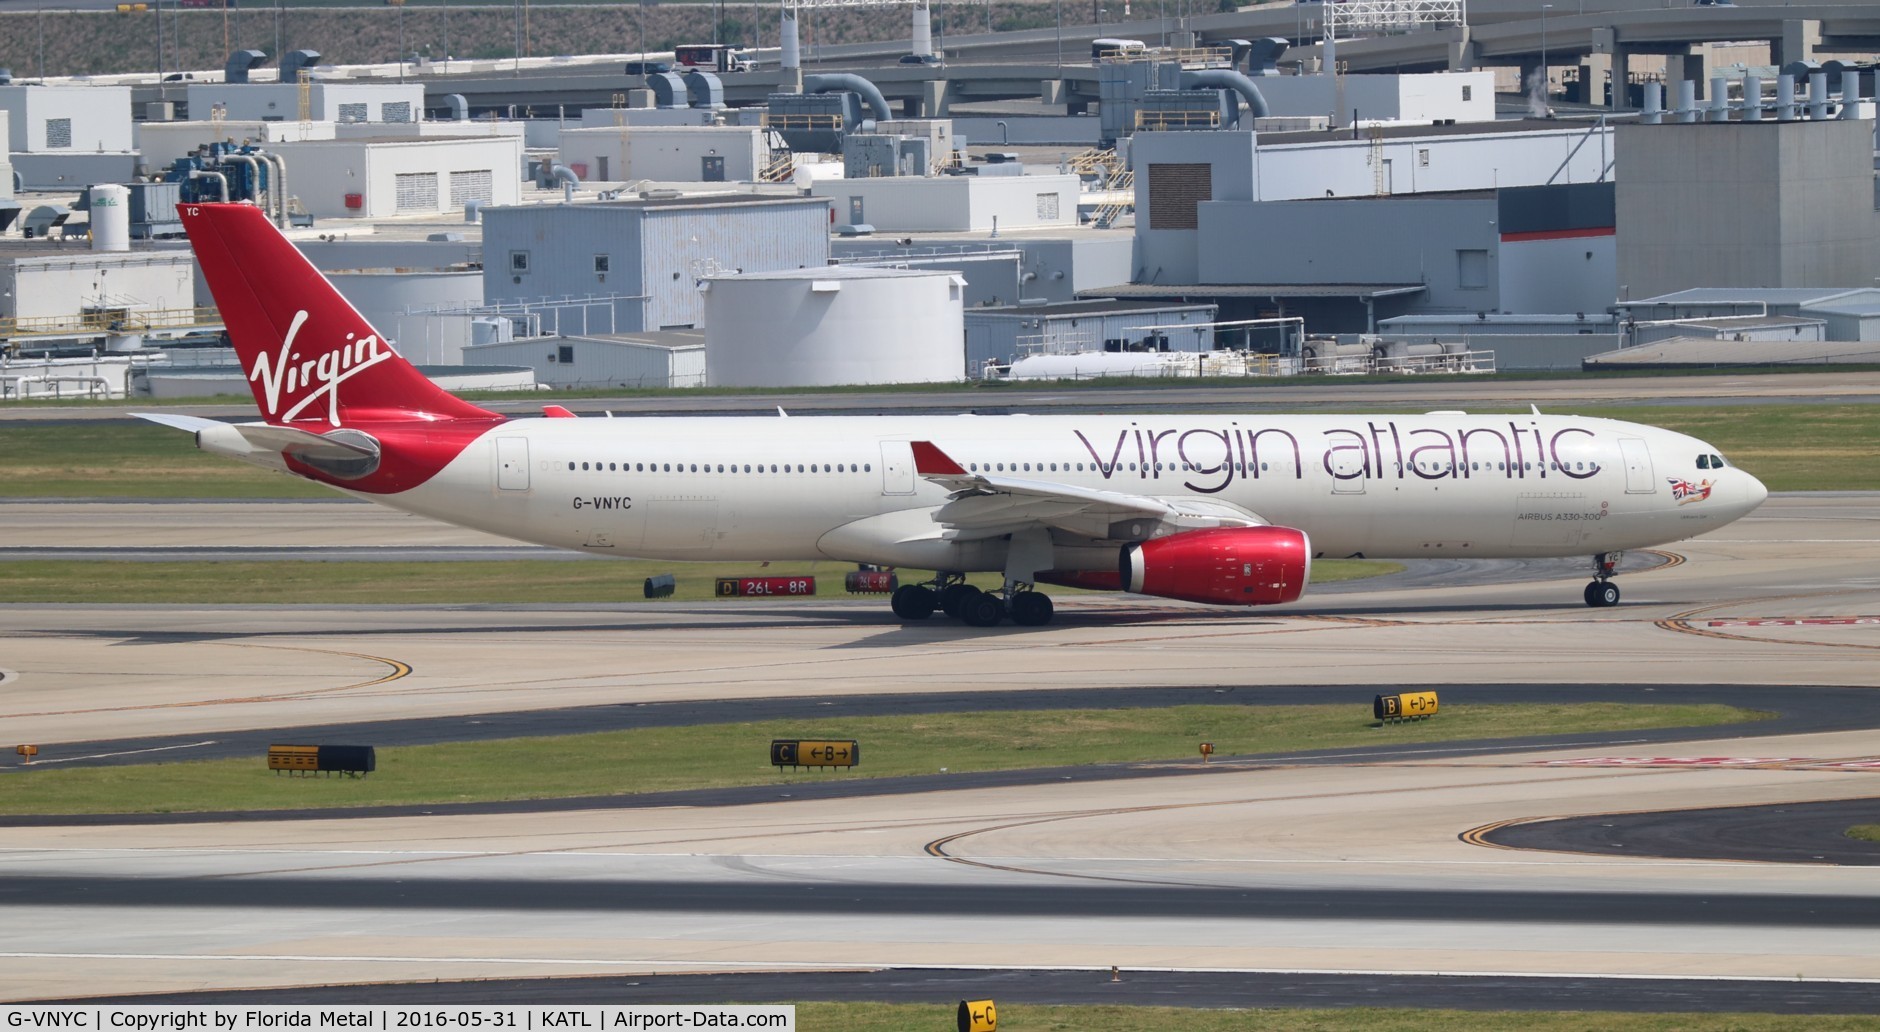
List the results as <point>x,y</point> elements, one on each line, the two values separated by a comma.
<point>1544,9</point>
<point>1060,32</point>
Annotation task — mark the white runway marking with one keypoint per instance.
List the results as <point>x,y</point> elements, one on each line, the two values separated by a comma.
<point>127,752</point>
<point>802,965</point>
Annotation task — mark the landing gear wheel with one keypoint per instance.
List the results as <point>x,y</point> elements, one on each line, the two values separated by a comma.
<point>1602,594</point>
<point>955,595</point>
<point>1031,609</point>
<point>982,610</point>
<point>912,602</point>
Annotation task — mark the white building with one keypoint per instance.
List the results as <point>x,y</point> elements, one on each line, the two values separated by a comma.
<point>834,326</point>
<point>1427,97</point>
<point>326,101</point>
<point>42,281</point>
<point>161,143</point>
<point>655,359</point>
<point>666,154</point>
<point>62,137</point>
<point>83,119</point>
<point>377,178</point>
<point>897,204</point>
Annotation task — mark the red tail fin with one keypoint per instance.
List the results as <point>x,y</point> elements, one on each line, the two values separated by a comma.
<point>309,355</point>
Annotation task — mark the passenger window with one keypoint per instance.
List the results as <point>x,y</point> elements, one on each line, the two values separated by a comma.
<point>570,465</point>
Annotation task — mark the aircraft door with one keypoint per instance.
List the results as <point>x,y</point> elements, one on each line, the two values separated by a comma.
<point>1348,472</point>
<point>897,468</point>
<point>1638,466</point>
<point>512,463</point>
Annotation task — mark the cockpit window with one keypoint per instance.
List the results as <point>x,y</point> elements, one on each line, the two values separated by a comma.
<point>1716,462</point>
<point>1712,461</point>
<point>1703,462</point>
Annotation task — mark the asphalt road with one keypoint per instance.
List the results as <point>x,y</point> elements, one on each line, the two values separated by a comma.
<point>1236,989</point>
<point>1799,710</point>
<point>1786,833</point>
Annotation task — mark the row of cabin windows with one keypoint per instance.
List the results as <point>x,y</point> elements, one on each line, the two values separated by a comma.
<point>722,467</point>
<point>1248,467</point>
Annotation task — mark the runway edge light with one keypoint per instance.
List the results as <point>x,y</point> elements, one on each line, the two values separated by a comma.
<point>978,1016</point>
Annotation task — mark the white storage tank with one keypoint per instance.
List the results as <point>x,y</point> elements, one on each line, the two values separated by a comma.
<point>110,218</point>
<point>834,325</point>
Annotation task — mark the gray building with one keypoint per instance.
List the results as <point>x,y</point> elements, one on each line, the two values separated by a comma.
<point>648,256</point>
<point>1746,204</point>
<point>1005,334</point>
<point>1052,267</point>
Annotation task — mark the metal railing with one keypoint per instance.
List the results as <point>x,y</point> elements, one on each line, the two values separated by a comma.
<point>112,320</point>
<point>801,122</point>
<point>1157,121</point>
<point>1109,211</point>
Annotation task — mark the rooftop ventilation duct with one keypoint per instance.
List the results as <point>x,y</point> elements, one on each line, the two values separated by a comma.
<point>1262,55</point>
<point>1223,79</point>
<point>238,64</point>
<point>669,90</point>
<point>295,61</point>
<point>704,90</point>
<point>854,84</point>
<point>459,107</point>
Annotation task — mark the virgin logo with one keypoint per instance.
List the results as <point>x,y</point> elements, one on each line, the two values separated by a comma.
<point>287,375</point>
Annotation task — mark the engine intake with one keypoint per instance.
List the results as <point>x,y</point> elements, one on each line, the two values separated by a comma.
<point>1230,566</point>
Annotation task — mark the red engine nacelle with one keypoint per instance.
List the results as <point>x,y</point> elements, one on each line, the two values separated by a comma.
<point>1232,566</point>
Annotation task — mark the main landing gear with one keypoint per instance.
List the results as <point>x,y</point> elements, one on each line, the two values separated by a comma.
<point>1603,592</point>
<point>950,594</point>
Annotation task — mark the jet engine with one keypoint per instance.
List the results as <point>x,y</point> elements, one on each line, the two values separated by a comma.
<point>1229,566</point>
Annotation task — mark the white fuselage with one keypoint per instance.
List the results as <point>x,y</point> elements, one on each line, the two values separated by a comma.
<point>845,488</point>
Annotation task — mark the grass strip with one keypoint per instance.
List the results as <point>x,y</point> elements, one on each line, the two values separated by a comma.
<point>1865,832</point>
<point>1017,1017</point>
<point>302,582</point>
<point>1802,447</point>
<point>725,755</point>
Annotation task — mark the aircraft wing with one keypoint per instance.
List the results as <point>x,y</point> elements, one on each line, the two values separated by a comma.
<point>983,505</point>
<point>264,443</point>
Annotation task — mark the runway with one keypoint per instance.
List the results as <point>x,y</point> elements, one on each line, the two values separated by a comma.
<point>1257,395</point>
<point>1355,863</point>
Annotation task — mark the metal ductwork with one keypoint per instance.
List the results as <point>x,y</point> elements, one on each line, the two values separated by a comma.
<point>239,63</point>
<point>669,90</point>
<point>295,61</point>
<point>1223,79</point>
<point>568,181</point>
<point>854,84</point>
<point>704,90</point>
<point>1263,55</point>
<point>459,107</point>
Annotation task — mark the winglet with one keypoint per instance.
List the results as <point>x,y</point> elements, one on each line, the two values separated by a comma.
<point>556,412</point>
<point>930,461</point>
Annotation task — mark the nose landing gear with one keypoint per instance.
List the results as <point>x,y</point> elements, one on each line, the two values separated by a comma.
<point>1602,592</point>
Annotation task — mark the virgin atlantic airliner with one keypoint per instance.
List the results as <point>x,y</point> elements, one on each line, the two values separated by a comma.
<point>1222,509</point>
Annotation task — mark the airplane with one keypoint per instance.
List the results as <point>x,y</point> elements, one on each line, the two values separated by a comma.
<point>1221,509</point>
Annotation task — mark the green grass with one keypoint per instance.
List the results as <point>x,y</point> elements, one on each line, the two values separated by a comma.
<point>1788,447</point>
<point>1865,832</point>
<point>1015,1017</point>
<point>1791,447</point>
<point>422,583</point>
<point>142,460</point>
<point>720,755</point>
